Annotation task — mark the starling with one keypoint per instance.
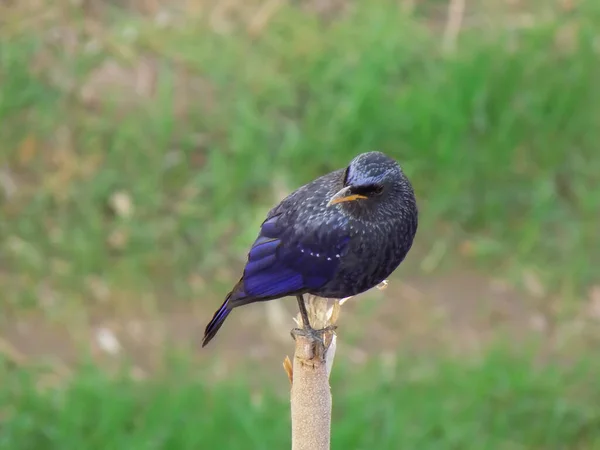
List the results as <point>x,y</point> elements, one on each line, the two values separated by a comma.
<point>335,237</point>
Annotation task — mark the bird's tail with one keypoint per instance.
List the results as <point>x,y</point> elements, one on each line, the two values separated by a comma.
<point>237,297</point>
<point>216,322</point>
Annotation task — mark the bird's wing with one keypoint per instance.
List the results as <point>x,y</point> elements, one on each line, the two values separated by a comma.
<point>281,263</point>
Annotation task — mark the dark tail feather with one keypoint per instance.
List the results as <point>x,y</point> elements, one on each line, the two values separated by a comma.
<point>216,322</point>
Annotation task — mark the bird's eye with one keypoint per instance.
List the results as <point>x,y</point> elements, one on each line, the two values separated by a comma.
<point>369,190</point>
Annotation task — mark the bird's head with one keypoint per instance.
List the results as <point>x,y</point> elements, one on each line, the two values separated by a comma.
<point>370,179</point>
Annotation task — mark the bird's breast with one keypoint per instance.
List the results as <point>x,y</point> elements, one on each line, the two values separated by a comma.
<point>373,252</point>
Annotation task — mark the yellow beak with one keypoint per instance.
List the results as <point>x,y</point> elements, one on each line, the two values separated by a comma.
<point>343,195</point>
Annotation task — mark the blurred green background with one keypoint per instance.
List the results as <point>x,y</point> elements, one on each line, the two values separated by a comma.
<point>142,142</point>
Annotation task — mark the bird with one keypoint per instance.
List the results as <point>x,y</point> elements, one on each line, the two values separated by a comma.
<point>335,237</point>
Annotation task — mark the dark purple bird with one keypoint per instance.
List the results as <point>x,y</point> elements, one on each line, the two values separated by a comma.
<point>337,236</point>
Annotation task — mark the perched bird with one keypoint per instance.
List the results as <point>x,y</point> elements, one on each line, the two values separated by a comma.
<point>335,237</point>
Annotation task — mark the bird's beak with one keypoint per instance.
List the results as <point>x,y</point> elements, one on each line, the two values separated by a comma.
<point>344,195</point>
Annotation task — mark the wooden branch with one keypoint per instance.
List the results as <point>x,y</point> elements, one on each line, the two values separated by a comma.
<point>309,375</point>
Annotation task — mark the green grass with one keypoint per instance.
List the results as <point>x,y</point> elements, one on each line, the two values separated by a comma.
<point>499,138</point>
<point>500,402</point>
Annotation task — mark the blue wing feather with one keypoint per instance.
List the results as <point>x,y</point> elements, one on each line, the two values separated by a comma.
<point>281,264</point>
<point>290,256</point>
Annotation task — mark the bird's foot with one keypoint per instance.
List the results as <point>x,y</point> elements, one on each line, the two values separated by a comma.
<point>311,333</point>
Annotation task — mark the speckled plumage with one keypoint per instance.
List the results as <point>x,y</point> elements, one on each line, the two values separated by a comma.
<point>333,251</point>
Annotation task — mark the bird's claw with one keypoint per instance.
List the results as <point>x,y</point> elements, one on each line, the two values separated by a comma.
<point>313,334</point>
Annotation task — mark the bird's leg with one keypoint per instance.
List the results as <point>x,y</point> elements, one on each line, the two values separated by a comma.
<point>303,312</point>
<point>307,329</point>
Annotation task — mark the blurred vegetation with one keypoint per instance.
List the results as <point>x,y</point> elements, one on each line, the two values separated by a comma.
<point>197,123</point>
<point>500,402</point>
<point>141,145</point>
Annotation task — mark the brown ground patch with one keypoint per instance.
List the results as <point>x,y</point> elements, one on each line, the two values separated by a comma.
<point>457,313</point>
